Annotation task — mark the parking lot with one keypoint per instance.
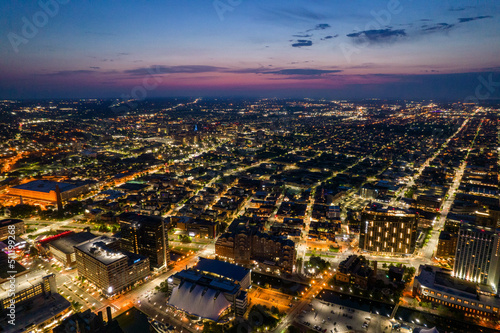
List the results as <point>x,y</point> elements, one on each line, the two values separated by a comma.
<point>270,298</point>
<point>327,317</point>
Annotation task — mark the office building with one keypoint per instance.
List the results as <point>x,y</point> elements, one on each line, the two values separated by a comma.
<point>111,270</point>
<point>147,236</point>
<point>477,257</point>
<point>388,230</point>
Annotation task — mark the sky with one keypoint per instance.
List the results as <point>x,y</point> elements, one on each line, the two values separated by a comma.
<point>439,49</point>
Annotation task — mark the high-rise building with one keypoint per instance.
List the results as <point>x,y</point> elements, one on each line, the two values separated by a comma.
<point>147,236</point>
<point>387,230</point>
<point>101,261</point>
<point>477,256</point>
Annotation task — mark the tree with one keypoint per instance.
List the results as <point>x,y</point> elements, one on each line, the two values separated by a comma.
<point>163,287</point>
<point>33,251</point>
<point>292,329</point>
<point>212,328</point>
<point>23,211</point>
<point>185,239</point>
<point>316,264</point>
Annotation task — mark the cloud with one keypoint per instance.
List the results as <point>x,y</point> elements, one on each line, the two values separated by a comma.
<point>438,27</point>
<point>95,67</point>
<point>159,69</point>
<point>377,36</point>
<point>303,36</point>
<point>461,9</point>
<point>71,72</point>
<point>321,26</point>
<point>444,27</point>
<point>303,71</point>
<point>329,37</point>
<point>302,42</point>
<point>286,71</point>
<point>468,19</point>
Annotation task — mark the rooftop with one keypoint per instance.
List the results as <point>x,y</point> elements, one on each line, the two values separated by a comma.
<point>98,248</point>
<point>199,300</point>
<point>7,222</point>
<point>230,271</point>
<point>441,280</point>
<point>66,244</point>
<point>23,282</point>
<point>45,186</point>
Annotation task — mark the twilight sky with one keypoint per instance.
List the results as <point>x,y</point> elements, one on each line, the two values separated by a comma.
<point>284,48</point>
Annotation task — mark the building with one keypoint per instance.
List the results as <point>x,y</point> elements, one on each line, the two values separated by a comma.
<point>196,227</point>
<point>111,270</point>
<point>447,244</point>
<point>48,190</point>
<point>391,231</point>
<point>396,273</point>
<point>272,252</point>
<point>147,236</point>
<point>6,270</point>
<point>238,274</point>
<point>8,224</point>
<point>437,285</point>
<point>89,322</point>
<point>63,248</point>
<point>368,191</point>
<point>429,202</point>
<point>206,295</point>
<point>355,270</point>
<point>477,257</point>
<point>35,304</point>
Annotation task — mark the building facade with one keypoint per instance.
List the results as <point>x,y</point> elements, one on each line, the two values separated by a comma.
<point>436,285</point>
<point>388,231</point>
<point>477,256</point>
<point>48,190</point>
<point>246,245</point>
<point>101,261</point>
<point>147,236</point>
<point>8,224</point>
<point>355,270</point>
<point>447,244</point>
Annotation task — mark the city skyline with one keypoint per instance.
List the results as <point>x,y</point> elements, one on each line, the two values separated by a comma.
<point>387,49</point>
<point>249,166</point>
